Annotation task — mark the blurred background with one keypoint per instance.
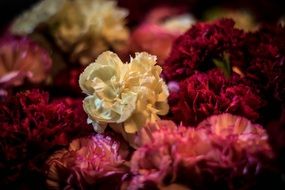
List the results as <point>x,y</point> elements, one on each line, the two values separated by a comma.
<point>264,10</point>
<point>11,8</point>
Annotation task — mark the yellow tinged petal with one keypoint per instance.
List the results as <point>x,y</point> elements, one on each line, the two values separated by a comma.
<point>162,108</point>
<point>130,126</point>
<point>109,58</point>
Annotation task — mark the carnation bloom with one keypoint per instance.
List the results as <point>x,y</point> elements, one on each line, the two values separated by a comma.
<point>267,64</point>
<point>138,10</point>
<point>86,28</point>
<point>126,96</point>
<point>197,49</point>
<point>215,155</point>
<point>22,59</point>
<point>242,100</point>
<point>153,39</point>
<point>204,94</point>
<point>243,131</point>
<point>31,128</point>
<point>91,162</point>
<point>158,32</point>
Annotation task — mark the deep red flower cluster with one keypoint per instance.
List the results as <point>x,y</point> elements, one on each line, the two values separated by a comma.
<point>256,54</point>
<point>205,94</point>
<point>32,127</point>
<point>267,60</point>
<point>251,64</point>
<point>203,42</point>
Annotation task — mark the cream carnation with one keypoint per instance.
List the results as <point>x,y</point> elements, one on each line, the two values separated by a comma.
<point>86,28</point>
<point>126,96</point>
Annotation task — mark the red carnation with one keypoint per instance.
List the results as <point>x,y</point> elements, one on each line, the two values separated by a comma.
<point>242,100</point>
<point>32,127</point>
<point>203,42</point>
<point>267,66</point>
<point>205,94</point>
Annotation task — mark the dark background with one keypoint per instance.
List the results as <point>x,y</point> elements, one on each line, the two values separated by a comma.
<point>265,10</point>
<point>11,8</point>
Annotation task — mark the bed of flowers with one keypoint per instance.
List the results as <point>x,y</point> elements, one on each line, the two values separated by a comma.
<point>103,94</point>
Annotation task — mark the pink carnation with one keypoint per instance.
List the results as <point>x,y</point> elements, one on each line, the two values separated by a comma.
<point>154,39</point>
<point>202,158</point>
<point>157,34</point>
<point>96,162</point>
<point>240,130</point>
<point>22,59</point>
<point>139,9</point>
